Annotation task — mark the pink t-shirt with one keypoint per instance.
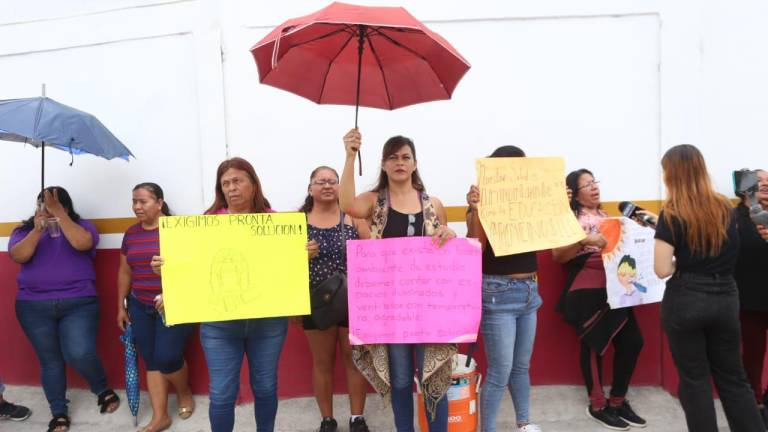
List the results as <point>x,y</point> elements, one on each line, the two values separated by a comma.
<point>592,275</point>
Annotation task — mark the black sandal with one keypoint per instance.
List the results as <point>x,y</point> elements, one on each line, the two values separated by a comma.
<point>61,420</point>
<point>107,398</point>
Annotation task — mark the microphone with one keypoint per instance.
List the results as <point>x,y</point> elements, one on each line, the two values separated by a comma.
<point>629,209</point>
<point>758,215</point>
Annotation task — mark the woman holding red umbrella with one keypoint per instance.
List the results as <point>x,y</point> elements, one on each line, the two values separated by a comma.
<point>399,207</point>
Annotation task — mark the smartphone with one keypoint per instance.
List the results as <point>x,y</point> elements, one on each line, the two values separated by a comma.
<point>744,181</point>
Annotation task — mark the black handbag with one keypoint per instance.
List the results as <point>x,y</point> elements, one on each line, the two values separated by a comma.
<point>329,299</point>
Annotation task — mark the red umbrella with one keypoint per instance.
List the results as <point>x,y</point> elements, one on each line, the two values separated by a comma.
<point>379,57</point>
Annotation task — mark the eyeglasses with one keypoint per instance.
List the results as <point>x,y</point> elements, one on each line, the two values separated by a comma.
<point>330,182</point>
<point>591,184</point>
<point>411,225</point>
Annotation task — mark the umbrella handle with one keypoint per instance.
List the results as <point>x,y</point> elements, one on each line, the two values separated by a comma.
<point>361,29</point>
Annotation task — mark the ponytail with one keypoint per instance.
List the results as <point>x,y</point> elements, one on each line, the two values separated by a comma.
<point>165,210</point>
<point>157,191</point>
<point>309,203</point>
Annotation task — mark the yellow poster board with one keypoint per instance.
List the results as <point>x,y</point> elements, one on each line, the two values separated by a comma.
<point>524,206</point>
<point>234,266</point>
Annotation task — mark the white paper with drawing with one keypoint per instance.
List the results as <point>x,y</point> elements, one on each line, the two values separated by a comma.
<point>628,261</point>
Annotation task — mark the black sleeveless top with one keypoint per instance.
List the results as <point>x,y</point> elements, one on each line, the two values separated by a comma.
<point>398,224</point>
<point>518,263</point>
<point>330,257</point>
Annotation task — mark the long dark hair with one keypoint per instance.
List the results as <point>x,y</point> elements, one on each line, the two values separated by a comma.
<point>65,201</point>
<point>260,203</point>
<point>572,181</point>
<point>157,192</point>
<point>508,151</point>
<point>309,202</point>
<point>392,146</point>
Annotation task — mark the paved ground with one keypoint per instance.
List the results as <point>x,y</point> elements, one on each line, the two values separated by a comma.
<point>554,408</point>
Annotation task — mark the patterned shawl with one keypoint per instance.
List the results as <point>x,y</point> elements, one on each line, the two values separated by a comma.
<point>373,360</point>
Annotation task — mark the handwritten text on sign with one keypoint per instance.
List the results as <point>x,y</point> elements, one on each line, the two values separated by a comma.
<point>407,290</point>
<point>523,204</point>
<point>234,266</point>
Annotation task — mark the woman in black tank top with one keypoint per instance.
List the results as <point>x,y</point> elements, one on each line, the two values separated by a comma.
<point>508,325</point>
<point>399,207</point>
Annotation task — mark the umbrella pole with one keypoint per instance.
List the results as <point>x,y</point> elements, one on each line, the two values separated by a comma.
<point>42,167</point>
<point>360,45</point>
<point>42,151</point>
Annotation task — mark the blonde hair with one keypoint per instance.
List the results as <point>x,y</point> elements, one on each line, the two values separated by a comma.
<point>703,213</point>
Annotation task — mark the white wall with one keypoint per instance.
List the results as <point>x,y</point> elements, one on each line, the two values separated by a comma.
<point>609,85</point>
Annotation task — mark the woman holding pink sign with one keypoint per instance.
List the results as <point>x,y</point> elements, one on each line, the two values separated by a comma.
<point>57,304</point>
<point>508,325</point>
<point>399,207</point>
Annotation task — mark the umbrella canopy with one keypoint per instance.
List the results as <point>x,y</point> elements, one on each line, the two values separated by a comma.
<point>343,54</point>
<point>131,372</point>
<point>317,57</point>
<point>43,122</point>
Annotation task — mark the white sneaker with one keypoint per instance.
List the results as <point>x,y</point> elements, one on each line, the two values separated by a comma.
<point>530,427</point>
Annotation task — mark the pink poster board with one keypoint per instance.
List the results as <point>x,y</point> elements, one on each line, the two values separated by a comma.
<point>407,290</point>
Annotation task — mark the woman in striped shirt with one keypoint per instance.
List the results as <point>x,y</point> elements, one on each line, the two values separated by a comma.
<point>140,304</point>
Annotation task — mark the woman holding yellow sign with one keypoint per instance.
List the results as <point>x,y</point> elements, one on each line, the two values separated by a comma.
<point>399,207</point>
<point>508,325</point>
<point>238,191</point>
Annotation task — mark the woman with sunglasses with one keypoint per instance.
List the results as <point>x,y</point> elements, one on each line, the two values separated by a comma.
<point>324,225</point>
<point>399,207</point>
<point>584,304</point>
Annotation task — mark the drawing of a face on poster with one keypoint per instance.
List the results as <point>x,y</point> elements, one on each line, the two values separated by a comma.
<point>626,273</point>
<point>628,262</point>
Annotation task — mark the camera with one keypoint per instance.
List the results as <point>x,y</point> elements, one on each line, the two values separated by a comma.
<point>745,185</point>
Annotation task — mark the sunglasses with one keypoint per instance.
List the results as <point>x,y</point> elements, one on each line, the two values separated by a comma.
<point>411,225</point>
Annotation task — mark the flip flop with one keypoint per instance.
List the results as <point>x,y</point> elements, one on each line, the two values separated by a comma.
<point>187,411</point>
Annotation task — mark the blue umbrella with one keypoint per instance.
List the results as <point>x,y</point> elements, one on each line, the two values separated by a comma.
<point>43,122</point>
<point>131,373</point>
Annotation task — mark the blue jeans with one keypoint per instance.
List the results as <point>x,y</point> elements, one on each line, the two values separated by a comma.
<point>508,327</point>
<point>2,387</point>
<point>63,332</point>
<point>161,347</point>
<point>401,372</point>
<point>225,343</point>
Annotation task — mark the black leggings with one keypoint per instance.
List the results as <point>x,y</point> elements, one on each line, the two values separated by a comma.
<point>627,344</point>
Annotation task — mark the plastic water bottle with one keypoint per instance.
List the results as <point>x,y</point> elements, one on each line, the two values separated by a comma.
<point>161,312</point>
